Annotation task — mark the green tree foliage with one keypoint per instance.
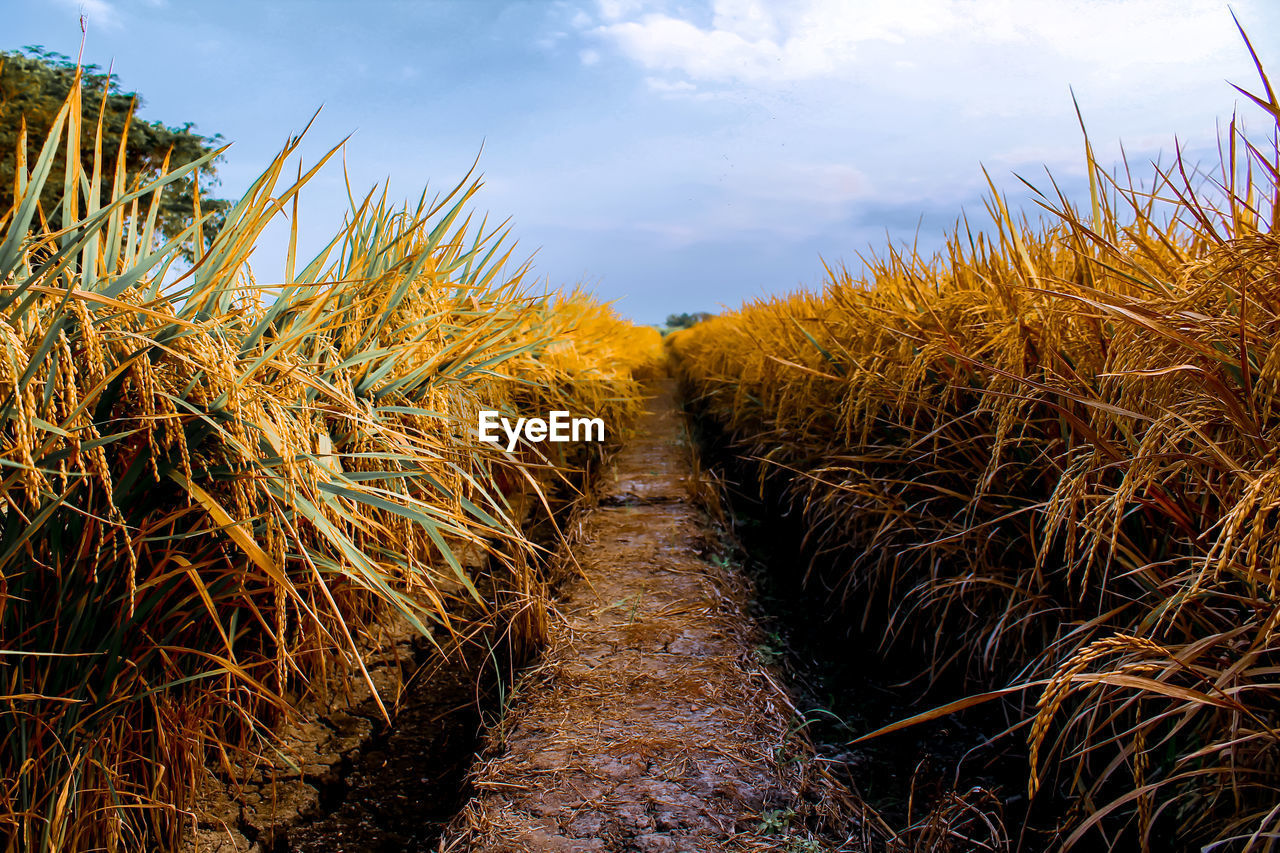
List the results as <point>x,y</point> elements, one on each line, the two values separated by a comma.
<point>33,85</point>
<point>684,321</point>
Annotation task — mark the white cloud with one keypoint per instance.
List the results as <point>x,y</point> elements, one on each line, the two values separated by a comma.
<point>789,200</point>
<point>589,56</point>
<point>758,42</point>
<point>768,43</point>
<point>833,185</point>
<point>750,19</point>
<point>663,43</point>
<point>754,130</point>
<point>96,12</point>
<point>670,87</point>
<point>612,10</point>
<point>550,40</point>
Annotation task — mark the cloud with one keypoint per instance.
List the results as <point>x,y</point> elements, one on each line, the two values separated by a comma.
<point>760,43</point>
<point>790,201</point>
<point>549,41</point>
<point>612,10</point>
<point>96,12</point>
<point>589,56</point>
<point>764,133</point>
<point>828,184</point>
<point>670,87</point>
<point>661,43</point>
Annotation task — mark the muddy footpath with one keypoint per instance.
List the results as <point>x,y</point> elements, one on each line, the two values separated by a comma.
<point>651,722</point>
<point>654,719</point>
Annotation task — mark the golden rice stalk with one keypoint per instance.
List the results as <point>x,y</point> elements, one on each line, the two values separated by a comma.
<point>1053,453</point>
<point>211,489</point>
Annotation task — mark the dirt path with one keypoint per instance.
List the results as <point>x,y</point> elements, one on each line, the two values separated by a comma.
<point>650,725</point>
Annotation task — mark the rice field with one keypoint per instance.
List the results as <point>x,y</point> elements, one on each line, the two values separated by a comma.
<point>1045,463</point>
<point>1041,468</point>
<point>213,489</point>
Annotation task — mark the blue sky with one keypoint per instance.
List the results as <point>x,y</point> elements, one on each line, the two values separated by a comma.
<point>679,156</point>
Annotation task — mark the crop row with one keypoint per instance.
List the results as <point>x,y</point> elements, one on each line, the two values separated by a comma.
<point>1046,461</point>
<point>212,490</point>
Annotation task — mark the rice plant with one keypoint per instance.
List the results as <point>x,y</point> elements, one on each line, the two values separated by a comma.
<point>211,488</point>
<point>1045,461</point>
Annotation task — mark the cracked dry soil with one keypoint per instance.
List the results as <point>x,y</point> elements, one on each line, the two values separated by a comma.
<point>650,725</point>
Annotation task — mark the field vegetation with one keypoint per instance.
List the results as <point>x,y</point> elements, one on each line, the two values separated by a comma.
<point>34,83</point>
<point>1045,464</point>
<point>211,488</point>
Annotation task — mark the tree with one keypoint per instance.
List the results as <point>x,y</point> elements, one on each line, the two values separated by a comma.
<point>35,82</point>
<point>684,321</point>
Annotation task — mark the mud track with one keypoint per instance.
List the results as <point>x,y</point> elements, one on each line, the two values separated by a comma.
<point>650,723</point>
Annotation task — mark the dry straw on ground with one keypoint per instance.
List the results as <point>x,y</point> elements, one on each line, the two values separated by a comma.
<point>651,724</point>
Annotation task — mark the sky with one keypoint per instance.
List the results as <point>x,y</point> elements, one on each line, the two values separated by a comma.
<point>680,156</point>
